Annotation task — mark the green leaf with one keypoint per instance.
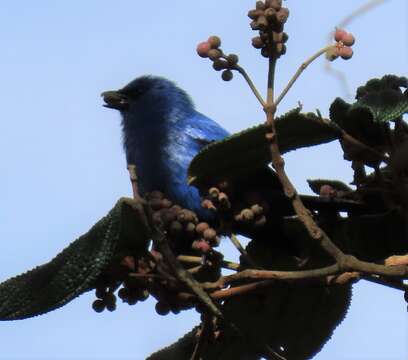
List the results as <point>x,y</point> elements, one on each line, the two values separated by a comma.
<point>316,184</point>
<point>378,101</point>
<point>75,270</point>
<point>383,98</point>
<point>248,150</point>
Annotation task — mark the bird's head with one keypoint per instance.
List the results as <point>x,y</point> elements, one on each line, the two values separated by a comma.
<point>147,97</point>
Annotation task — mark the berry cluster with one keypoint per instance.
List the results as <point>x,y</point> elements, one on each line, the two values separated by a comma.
<point>211,49</point>
<point>184,231</point>
<point>344,42</point>
<point>249,209</point>
<point>269,18</point>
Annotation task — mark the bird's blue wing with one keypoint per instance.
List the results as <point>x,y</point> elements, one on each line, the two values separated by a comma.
<point>203,129</point>
<point>188,136</point>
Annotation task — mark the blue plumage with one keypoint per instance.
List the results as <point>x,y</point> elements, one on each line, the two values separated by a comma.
<point>162,132</point>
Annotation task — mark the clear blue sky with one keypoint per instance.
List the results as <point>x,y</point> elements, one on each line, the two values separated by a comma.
<point>62,166</point>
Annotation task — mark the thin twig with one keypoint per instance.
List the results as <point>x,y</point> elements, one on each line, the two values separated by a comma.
<point>300,71</point>
<point>243,252</point>
<point>252,86</point>
<point>198,260</point>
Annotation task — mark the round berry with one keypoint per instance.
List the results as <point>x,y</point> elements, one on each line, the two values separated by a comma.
<point>265,52</point>
<point>98,306</point>
<point>162,308</point>
<point>260,5</point>
<point>275,4</point>
<point>111,307</point>
<point>282,15</point>
<point>227,75</point>
<point>201,227</point>
<point>220,65</point>
<point>406,296</point>
<point>232,59</point>
<point>348,39</point>
<point>247,215</point>
<point>270,14</point>
<point>346,52</point>
<point>166,203</point>
<point>203,48</point>
<point>214,54</point>
<point>123,293</point>
<point>339,34</point>
<point>214,41</point>
<point>257,42</point>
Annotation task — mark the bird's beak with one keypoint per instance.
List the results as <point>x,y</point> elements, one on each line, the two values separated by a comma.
<point>114,100</point>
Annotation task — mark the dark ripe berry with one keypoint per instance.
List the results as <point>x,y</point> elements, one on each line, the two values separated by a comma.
<point>348,39</point>
<point>262,23</point>
<point>155,203</point>
<point>285,37</point>
<point>162,308</point>
<point>110,299</point>
<point>254,25</point>
<point>111,307</point>
<point>123,293</point>
<point>282,15</point>
<point>100,293</point>
<point>345,52</point>
<point>220,65</point>
<point>275,4</point>
<point>260,5</point>
<point>98,306</point>
<point>214,54</point>
<point>209,234</point>
<point>247,215</point>
<point>175,228</point>
<point>232,59</point>
<point>265,52</point>
<point>201,227</point>
<point>203,48</point>
<point>166,203</point>
<point>175,310</point>
<point>257,42</point>
<point>227,75</point>
<point>131,300</point>
<point>254,14</point>
<point>406,296</point>
<point>142,295</point>
<point>270,14</point>
<point>339,34</point>
<point>214,41</point>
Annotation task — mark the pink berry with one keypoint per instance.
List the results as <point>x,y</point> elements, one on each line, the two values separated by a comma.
<point>346,52</point>
<point>203,48</point>
<point>339,34</point>
<point>348,39</point>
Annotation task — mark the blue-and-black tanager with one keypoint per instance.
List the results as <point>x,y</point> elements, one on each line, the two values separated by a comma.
<point>162,132</point>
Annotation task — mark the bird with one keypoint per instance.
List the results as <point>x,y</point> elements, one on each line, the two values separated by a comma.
<point>162,132</point>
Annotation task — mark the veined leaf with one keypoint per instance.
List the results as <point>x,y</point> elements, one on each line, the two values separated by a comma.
<point>75,270</point>
<point>248,150</point>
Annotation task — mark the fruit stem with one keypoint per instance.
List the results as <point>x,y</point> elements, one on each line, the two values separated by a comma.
<point>300,71</point>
